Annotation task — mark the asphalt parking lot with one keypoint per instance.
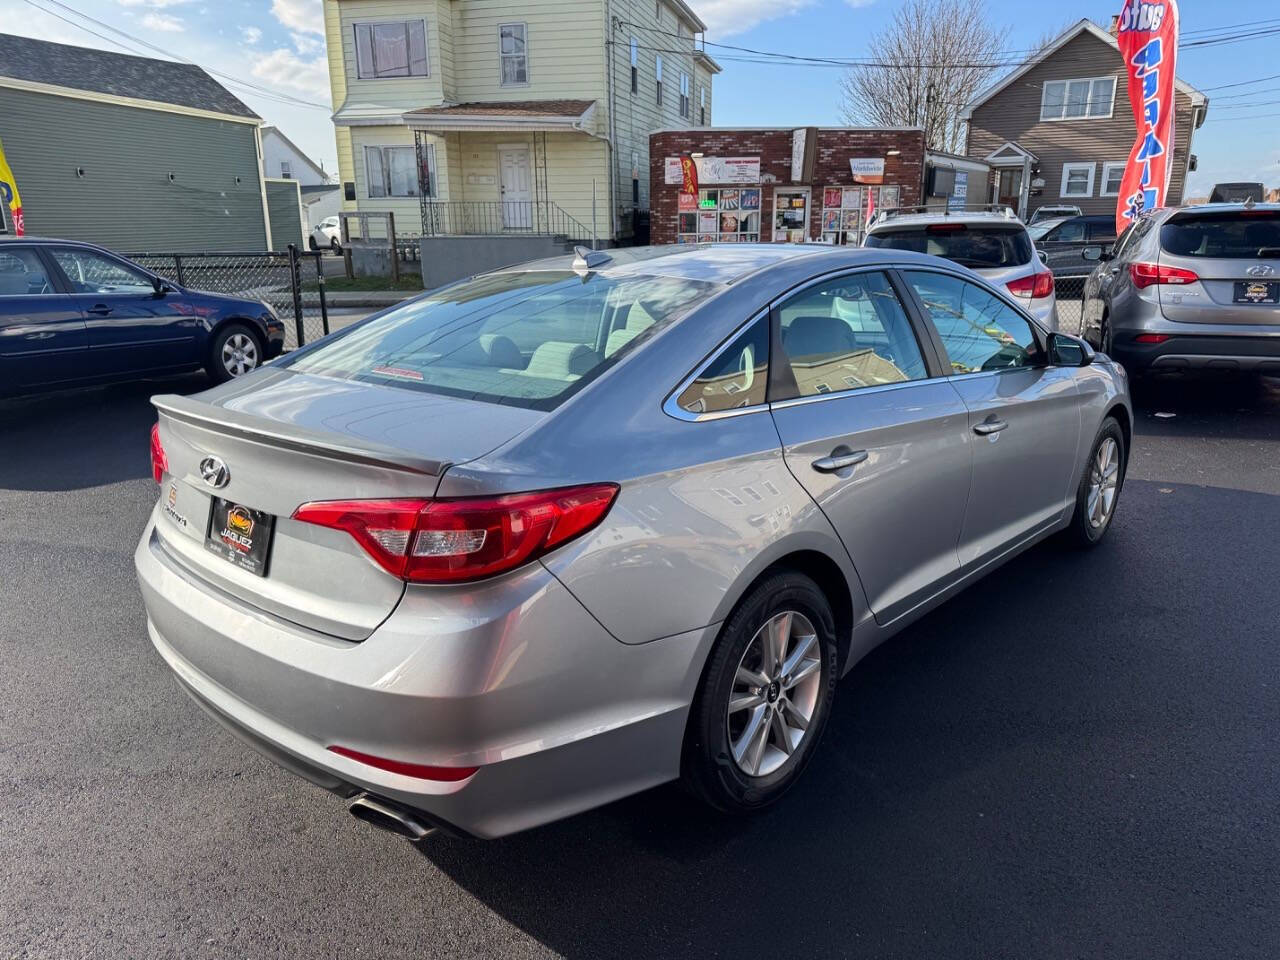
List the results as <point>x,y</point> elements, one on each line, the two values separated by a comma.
<point>1076,758</point>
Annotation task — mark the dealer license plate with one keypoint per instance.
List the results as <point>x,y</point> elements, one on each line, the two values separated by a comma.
<point>240,535</point>
<point>1257,291</point>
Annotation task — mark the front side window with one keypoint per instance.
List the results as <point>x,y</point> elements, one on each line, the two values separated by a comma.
<point>1246,235</point>
<point>978,329</point>
<point>528,339</point>
<point>392,171</point>
<point>514,53</point>
<point>1077,99</point>
<point>737,377</point>
<point>1070,232</point>
<point>1077,179</point>
<point>849,333</point>
<point>971,244</point>
<point>92,272</point>
<point>394,49</point>
<point>22,274</point>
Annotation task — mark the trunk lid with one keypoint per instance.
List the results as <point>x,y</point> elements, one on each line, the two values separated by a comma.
<point>287,438</point>
<point>1235,255</point>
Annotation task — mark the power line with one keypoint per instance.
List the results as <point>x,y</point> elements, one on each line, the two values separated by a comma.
<point>1242,83</point>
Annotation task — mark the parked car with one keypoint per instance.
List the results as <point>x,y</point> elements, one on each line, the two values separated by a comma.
<point>1189,288</point>
<point>993,243</point>
<point>1054,211</point>
<point>559,533</point>
<point>1062,241</point>
<point>326,234</point>
<point>73,313</point>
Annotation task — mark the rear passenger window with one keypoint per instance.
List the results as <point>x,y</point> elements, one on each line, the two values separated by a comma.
<point>979,330</point>
<point>848,333</point>
<point>21,274</point>
<point>737,377</point>
<point>1069,232</point>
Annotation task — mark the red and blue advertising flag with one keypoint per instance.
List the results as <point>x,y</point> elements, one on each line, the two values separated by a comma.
<point>1148,36</point>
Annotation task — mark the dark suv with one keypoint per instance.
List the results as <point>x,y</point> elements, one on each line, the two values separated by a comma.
<point>73,313</point>
<point>1063,240</point>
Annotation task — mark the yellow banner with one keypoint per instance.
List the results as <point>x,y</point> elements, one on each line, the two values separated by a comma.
<point>9,194</point>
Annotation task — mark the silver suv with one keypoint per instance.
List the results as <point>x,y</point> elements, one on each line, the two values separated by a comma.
<point>993,243</point>
<point>1190,288</point>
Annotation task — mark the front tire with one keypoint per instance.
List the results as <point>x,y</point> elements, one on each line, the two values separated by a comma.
<point>1098,494</point>
<point>764,698</point>
<point>311,241</point>
<point>335,246</point>
<point>234,351</point>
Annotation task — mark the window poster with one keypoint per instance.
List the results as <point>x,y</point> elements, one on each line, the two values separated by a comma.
<point>722,215</point>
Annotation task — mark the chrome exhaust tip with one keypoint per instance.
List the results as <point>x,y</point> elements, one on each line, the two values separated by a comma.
<point>389,816</point>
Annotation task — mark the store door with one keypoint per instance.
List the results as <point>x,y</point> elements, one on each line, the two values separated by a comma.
<point>1009,187</point>
<point>790,215</point>
<point>517,189</point>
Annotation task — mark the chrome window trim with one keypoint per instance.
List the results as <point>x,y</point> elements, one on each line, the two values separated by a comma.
<point>854,392</point>
<point>671,406</point>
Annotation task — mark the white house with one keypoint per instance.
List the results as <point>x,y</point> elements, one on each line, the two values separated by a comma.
<point>283,160</point>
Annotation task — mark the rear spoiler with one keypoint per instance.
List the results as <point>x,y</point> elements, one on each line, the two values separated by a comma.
<point>289,437</point>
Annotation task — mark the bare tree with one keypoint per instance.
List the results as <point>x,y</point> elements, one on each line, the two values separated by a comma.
<point>926,65</point>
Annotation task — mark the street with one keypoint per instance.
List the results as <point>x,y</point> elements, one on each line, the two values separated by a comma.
<point>1074,758</point>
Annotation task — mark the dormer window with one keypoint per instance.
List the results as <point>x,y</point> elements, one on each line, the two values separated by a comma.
<point>1085,99</point>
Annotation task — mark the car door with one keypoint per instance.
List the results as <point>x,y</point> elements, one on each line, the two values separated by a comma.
<point>42,332</point>
<point>1024,414</point>
<point>131,327</point>
<point>874,432</point>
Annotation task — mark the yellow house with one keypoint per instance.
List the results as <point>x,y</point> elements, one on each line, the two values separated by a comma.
<point>496,118</point>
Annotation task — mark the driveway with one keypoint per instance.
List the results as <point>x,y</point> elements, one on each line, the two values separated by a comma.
<point>1075,758</point>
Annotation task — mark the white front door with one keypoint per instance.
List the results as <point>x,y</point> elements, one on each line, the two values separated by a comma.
<point>517,189</point>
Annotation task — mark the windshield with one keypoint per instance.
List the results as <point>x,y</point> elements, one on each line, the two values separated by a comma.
<point>526,339</point>
<point>1038,230</point>
<point>967,244</point>
<point>1242,235</point>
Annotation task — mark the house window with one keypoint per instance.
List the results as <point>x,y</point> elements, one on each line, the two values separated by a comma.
<point>393,49</point>
<point>635,65</point>
<point>393,171</point>
<point>286,170</point>
<point>1077,179</point>
<point>1077,99</point>
<point>657,69</point>
<point>514,53</point>
<point>684,95</point>
<point>702,106</point>
<point>657,11</point>
<point>1112,174</point>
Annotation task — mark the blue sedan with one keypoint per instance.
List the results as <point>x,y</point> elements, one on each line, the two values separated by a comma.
<point>73,313</point>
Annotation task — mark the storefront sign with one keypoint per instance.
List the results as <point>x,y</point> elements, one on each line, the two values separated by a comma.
<point>960,193</point>
<point>867,169</point>
<point>688,201</point>
<point>715,170</point>
<point>1148,39</point>
<point>804,153</point>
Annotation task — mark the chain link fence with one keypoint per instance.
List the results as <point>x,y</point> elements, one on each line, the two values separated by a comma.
<point>1070,294</point>
<point>1071,268</point>
<point>290,281</point>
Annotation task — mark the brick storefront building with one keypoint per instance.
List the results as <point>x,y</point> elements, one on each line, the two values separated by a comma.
<point>781,184</point>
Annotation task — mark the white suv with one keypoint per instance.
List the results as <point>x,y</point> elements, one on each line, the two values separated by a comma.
<point>993,243</point>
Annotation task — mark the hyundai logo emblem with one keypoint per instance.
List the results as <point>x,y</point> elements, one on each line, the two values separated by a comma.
<point>1261,270</point>
<point>214,472</point>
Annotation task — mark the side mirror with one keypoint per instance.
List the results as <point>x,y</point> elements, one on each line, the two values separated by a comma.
<point>1068,351</point>
<point>1096,253</point>
<point>1044,257</point>
<point>160,286</point>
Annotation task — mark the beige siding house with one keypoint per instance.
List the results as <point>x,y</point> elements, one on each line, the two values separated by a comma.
<point>477,117</point>
<point>1058,130</point>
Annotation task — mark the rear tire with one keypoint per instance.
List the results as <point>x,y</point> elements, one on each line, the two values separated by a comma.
<point>335,246</point>
<point>758,715</point>
<point>235,350</point>
<point>1098,493</point>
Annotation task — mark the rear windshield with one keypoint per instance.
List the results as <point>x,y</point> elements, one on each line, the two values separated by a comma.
<point>1248,234</point>
<point>966,244</point>
<point>525,339</point>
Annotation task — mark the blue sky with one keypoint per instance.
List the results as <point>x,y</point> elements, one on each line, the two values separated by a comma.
<point>277,45</point>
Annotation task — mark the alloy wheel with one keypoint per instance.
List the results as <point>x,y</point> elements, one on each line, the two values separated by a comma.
<point>239,354</point>
<point>774,694</point>
<point>1104,479</point>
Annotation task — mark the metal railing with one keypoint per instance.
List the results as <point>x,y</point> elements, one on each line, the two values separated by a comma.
<point>282,279</point>
<point>460,218</point>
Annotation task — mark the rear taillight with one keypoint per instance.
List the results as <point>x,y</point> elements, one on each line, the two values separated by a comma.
<point>419,770</point>
<point>1146,274</point>
<point>449,541</point>
<point>159,462</point>
<point>1033,287</point>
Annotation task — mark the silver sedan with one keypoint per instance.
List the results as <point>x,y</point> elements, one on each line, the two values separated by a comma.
<point>562,532</point>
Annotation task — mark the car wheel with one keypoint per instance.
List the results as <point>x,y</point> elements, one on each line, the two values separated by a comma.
<point>1099,490</point>
<point>764,697</point>
<point>335,246</point>
<point>311,242</point>
<point>235,351</point>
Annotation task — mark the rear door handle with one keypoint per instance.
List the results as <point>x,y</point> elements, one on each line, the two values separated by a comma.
<point>988,427</point>
<point>99,310</point>
<point>839,461</point>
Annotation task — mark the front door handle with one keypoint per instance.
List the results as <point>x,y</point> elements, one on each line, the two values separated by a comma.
<point>99,310</point>
<point>839,461</point>
<point>988,427</point>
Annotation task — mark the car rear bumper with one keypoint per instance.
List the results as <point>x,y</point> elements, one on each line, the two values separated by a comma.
<point>512,677</point>
<point>1190,352</point>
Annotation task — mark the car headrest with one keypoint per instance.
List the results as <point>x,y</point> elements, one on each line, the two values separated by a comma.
<point>557,359</point>
<point>818,336</point>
